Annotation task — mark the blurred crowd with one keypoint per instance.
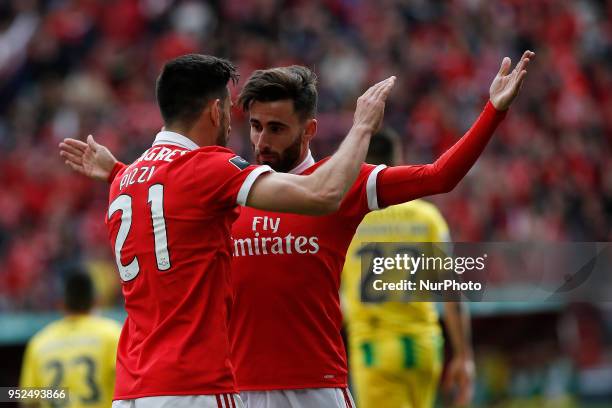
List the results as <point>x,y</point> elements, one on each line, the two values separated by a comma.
<point>69,68</point>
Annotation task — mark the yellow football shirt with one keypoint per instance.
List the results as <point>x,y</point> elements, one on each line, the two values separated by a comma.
<point>416,221</point>
<point>77,353</point>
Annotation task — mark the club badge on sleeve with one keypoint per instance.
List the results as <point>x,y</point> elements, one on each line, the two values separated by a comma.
<point>239,162</point>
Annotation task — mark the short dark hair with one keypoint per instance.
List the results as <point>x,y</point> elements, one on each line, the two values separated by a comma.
<point>78,291</point>
<point>295,82</point>
<point>188,82</point>
<point>384,146</point>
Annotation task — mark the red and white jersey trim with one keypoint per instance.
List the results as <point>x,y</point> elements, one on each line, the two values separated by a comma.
<point>243,193</point>
<point>306,163</point>
<point>166,137</point>
<point>371,187</point>
<point>228,401</point>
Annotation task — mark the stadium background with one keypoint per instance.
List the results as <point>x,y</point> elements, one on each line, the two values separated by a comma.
<point>73,67</point>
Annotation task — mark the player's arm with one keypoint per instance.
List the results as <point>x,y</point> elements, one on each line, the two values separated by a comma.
<point>322,191</point>
<point>400,184</point>
<point>459,377</point>
<point>318,193</point>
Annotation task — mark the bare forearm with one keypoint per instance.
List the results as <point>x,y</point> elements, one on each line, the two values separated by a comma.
<point>457,323</point>
<point>335,177</point>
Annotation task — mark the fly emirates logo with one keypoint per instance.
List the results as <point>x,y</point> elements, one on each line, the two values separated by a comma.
<point>273,243</point>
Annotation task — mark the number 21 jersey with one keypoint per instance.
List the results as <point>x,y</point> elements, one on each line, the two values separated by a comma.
<point>169,221</point>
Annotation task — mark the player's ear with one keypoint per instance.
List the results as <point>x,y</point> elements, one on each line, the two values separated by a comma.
<point>310,130</point>
<point>215,112</point>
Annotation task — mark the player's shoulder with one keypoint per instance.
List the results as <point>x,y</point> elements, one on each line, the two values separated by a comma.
<point>213,150</point>
<point>429,212</point>
<point>421,207</point>
<point>220,156</point>
<point>103,325</point>
<point>48,333</point>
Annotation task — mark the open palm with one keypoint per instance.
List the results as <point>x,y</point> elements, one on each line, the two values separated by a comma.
<point>506,85</point>
<point>90,159</point>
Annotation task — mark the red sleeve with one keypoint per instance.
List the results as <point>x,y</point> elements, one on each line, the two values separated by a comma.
<point>361,198</point>
<point>115,170</point>
<point>225,179</point>
<point>400,184</point>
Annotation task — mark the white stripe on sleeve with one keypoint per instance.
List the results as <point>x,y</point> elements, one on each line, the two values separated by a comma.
<point>243,193</point>
<point>371,187</point>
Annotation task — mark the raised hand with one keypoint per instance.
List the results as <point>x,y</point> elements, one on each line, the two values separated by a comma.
<point>90,159</point>
<point>371,105</point>
<point>506,85</point>
<point>459,379</point>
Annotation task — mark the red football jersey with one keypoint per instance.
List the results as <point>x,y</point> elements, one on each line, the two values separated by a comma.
<point>169,221</point>
<point>285,328</point>
<point>286,321</point>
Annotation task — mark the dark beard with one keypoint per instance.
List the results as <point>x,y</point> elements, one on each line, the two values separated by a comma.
<point>287,159</point>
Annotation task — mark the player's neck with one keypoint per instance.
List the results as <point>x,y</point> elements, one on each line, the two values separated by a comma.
<point>303,155</point>
<point>195,134</point>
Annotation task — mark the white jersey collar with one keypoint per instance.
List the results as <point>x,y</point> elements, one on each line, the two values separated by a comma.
<point>306,163</point>
<point>166,137</point>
